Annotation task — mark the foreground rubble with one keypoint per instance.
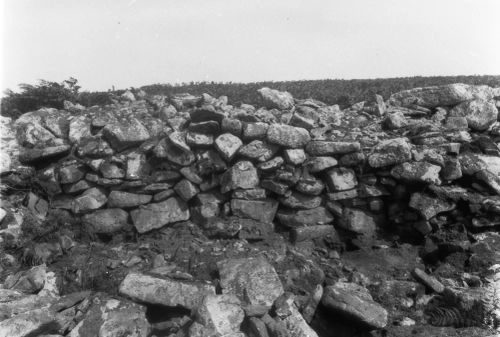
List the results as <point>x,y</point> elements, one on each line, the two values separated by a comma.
<point>186,216</point>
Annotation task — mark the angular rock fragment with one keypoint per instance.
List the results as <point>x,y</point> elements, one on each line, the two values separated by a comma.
<point>186,189</point>
<point>125,134</point>
<point>318,164</point>
<point>241,175</point>
<point>106,221</point>
<point>295,156</point>
<point>422,172</point>
<point>287,136</point>
<point>258,150</point>
<point>271,165</point>
<point>253,280</point>
<point>153,216</point>
<point>429,206</point>
<point>325,148</point>
<point>171,293</point>
<point>341,179</point>
<point>28,156</point>
<point>90,200</point>
<point>252,131</point>
<point>480,114</point>
<point>356,303</point>
<point>300,201</point>
<point>310,217</point>
<point>121,199</point>
<point>390,152</point>
<point>261,210</point>
<point>228,145</point>
<point>281,100</point>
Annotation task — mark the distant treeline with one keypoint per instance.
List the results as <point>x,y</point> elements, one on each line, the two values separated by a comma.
<point>342,92</point>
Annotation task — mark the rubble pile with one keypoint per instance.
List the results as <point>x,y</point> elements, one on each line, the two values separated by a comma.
<point>187,216</point>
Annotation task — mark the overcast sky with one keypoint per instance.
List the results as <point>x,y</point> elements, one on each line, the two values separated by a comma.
<point>137,42</point>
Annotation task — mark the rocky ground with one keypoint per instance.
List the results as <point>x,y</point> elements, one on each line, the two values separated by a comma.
<point>186,216</point>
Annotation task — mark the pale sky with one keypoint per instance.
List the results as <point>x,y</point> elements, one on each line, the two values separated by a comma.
<point>138,42</point>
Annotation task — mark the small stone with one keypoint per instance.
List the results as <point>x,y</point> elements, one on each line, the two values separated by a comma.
<point>258,150</point>
<point>358,221</point>
<point>310,217</point>
<point>421,172</point>
<point>71,172</point>
<point>111,170</point>
<point>341,179</point>
<point>199,139</point>
<point>428,280</point>
<point>395,120</point>
<point>207,128</point>
<point>355,302</point>
<point>107,221</point>
<point>281,100</point>
<point>186,189</point>
<point>390,152</point>
<point>253,131</point>
<point>480,114</point>
<point>241,175</point>
<point>228,145</point>
<point>28,156</point>
<point>261,210</point>
<point>287,136</point>
<point>275,186</point>
<point>429,206</point>
<point>250,194</point>
<point>352,159</point>
<point>120,199</point>
<point>219,315</point>
<point>122,135</point>
<point>300,201</point>
<point>318,164</point>
<point>77,187</point>
<point>252,280</point>
<point>153,216</point>
<point>343,195</point>
<point>190,173</point>
<point>310,186</point>
<point>207,112</point>
<point>163,291</point>
<point>137,167</point>
<point>490,179</point>
<point>456,123</point>
<point>91,199</point>
<point>271,165</point>
<point>163,195</point>
<point>232,126</point>
<point>295,156</point>
<point>325,148</point>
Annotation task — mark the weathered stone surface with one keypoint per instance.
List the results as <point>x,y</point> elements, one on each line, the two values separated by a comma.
<point>318,164</point>
<point>271,165</point>
<point>79,127</point>
<point>250,194</point>
<point>124,134</point>
<point>395,120</point>
<point>299,234</point>
<point>241,175</point>
<point>429,206</point>
<point>208,127</point>
<point>155,290</point>
<point>153,216</point>
<point>111,170</point>
<point>253,280</point>
<point>107,221</point>
<point>232,126</point>
<point>121,199</point>
<point>422,172</point>
<point>258,150</point>
<point>428,280</point>
<point>71,172</point>
<point>341,179</point>
<point>113,318</point>
<point>253,131</point>
<point>220,315</point>
<point>490,179</point>
<point>445,95</point>
<point>310,217</point>
<point>27,156</point>
<point>295,156</point>
<point>30,323</point>
<point>90,200</point>
<point>358,221</point>
<point>137,167</point>
<point>310,186</point>
<point>390,152</point>
<point>165,149</point>
<point>186,189</point>
<point>261,210</point>
<point>356,303</point>
<point>276,99</point>
<point>480,114</point>
<point>207,112</point>
<point>300,201</point>
<point>325,148</point>
<point>228,145</point>
<point>287,136</point>
<point>199,139</point>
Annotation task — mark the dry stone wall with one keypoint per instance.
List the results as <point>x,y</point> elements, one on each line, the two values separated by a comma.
<point>140,165</point>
